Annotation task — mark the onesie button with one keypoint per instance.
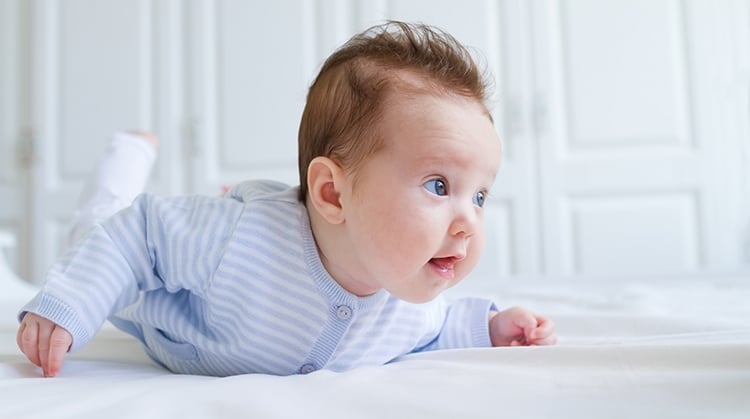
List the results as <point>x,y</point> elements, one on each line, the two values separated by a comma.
<point>307,369</point>
<point>344,312</point>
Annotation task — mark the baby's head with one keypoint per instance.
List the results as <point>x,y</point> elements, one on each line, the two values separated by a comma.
<point>345,103</point>
<point>397,154</point>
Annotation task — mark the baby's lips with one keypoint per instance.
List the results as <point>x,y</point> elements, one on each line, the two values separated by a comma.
<point>444,263</point>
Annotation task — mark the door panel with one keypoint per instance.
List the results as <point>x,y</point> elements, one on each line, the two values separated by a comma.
<point>250,92</point>
<point>624,74</point>
<point>627,174</point>
<point>607,233</point>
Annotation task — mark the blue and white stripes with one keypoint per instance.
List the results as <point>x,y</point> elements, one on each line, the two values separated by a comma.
<point>235,285</point>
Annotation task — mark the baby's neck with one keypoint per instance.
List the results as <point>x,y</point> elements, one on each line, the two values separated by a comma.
<point>330,241</point>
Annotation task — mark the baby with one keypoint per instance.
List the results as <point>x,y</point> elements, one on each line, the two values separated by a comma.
<point>397,153</point>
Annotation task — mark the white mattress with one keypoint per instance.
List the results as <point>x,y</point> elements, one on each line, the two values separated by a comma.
<point>657,347</point>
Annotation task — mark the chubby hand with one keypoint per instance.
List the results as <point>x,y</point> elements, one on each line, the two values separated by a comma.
<point>519,327</point>
<point>43,342</point>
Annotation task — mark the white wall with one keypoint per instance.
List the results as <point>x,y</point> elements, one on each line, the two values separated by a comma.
<point>625,123</point>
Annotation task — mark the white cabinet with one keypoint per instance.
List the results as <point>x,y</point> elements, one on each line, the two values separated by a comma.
<point>249,64</point>
<point>625,123</point>
<point>639,157</point>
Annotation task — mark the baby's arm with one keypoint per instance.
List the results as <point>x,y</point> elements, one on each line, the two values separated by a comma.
<point>43,342</point>
<point>157,243</point>
<point>466,324</point>
<point>518,327</point>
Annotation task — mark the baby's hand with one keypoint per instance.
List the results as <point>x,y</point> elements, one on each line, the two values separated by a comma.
<point>519,327</point>
<point>43,342</point>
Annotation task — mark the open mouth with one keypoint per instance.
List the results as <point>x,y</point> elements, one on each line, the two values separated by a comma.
<point>444,266</point>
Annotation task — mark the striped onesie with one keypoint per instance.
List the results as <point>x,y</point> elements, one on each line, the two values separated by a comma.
<point>235,285</point>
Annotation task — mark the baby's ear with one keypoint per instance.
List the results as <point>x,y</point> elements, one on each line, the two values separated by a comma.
<point>324,180</point>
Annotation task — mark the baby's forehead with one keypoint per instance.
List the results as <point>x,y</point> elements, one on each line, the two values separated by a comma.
<point>436,120</point>
<point>399,103</point>
<point>405,87</point>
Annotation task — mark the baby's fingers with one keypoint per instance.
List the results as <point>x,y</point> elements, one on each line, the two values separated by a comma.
<point>45,330</point>
<point>28,341</point>
<point>43,342</point>
<point>544,333</point>
<point>549,340</point>
<point>59,343</point>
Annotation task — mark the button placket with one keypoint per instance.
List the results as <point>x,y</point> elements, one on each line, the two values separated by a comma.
<point>339,320</point>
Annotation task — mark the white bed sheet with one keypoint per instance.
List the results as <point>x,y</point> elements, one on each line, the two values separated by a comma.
<point>658,347</point>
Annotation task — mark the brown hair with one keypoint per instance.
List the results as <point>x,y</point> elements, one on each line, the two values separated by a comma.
<point>346,99</point>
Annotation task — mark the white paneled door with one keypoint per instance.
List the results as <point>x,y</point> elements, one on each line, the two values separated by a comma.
<point>625,123</point>
<point>636,154</point>
<point>248,86</point>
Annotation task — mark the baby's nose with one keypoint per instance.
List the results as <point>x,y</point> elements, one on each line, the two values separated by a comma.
<point>465,223</point>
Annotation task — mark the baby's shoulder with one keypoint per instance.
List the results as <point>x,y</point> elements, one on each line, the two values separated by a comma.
<point>250,190</point>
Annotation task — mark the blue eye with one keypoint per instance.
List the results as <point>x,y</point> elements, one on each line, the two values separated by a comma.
<point>436,186</point>
<point>479,199</point>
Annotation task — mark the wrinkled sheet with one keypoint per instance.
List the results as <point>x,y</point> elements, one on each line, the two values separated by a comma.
<point>657,347</point>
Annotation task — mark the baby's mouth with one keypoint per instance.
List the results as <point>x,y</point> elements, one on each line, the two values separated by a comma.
<point>444,266</point>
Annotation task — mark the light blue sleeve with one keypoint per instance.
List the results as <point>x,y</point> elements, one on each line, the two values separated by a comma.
<point>466,325</point>
<point>171,243</point>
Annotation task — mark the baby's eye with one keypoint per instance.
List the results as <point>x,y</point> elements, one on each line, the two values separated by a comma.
<point>436,186</point>
<point>479,199</point>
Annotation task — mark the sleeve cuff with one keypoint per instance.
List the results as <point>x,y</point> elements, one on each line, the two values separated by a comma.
<point>480,323</point>
<point>61,314</point>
